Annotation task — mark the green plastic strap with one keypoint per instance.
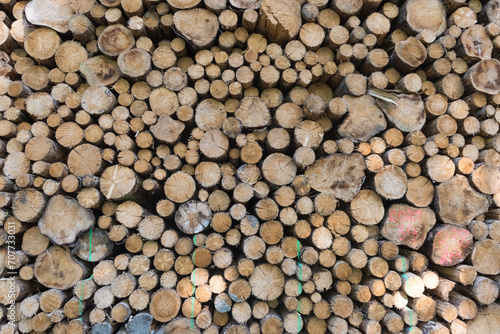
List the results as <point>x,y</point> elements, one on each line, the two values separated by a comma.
<point>80,301</point>
<point>192,302</point>
<point>299,319</point>
<point>404,265</point>
<point>194,286</point>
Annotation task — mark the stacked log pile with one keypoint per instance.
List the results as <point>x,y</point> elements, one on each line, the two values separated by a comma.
<point>250,166</point>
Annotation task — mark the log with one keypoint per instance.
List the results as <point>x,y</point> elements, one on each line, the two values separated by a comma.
<point>279,21</point>
<point>64,219</point>
<point>449,245</point>
<point>414,23</point>
<point>480,77</point>
<point>354,127</point>
<point>329,175</point>
<point>57,269</point>
<point>407,225</point>
<point>454,196</point>
<point>201,35</point>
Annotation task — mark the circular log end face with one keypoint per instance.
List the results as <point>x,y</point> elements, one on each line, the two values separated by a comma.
<point>426,15</point>
<point>407,225</point>
<point>193,217</point>
<point>485,76</point>
<point>117,182</point>
<point>451,246</point>
<point>391,182</point>
<point>115,40</point>
<point>84,160</point>
<point>100,70</point>
<point>267,282</point>
<point>165,304</point>
<point>42,43</point>
<point>486,257</point>
<point>180,187</point>
<point>56,269</point>
<point>279,169</point>
<point>198,25</point>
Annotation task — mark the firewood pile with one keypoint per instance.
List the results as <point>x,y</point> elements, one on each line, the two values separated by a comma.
<point>250,166</point>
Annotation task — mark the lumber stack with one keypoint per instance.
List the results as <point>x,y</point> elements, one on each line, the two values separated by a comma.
<point>247,166</point>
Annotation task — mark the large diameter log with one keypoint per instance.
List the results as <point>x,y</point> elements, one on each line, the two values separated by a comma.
<point>407,225</point>
<point>338,174</point>
<point>167,130</point>
<point>279,20</point>
<point>484,77</point>
<point>164,305</point>
<point>486,257</point>
<point>180,325</point>
<point>486,322</point>
<point>203,32</point>
<point>64,219</point>
<point>100,71</point>
<point>193,217</point>
<point>28,205</point>
<point>253,113</point>
<point>267,282</point>
<point>98,100</point>
<point>115,39</point>
<point>54,14</point>
<point>434,22</point>
<point>408,55</point>
<point>449,245</point>
<point>406,112</point>
<point>117,182</point>
<point>475,44</point>
<point>364,120</point>
<point>55,268</point>
<point>457,202</point>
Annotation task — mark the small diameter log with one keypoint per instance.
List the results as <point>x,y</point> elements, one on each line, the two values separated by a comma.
<point>407,225</point>
<point>101,245</point>
<point>449,245</point>
<point>64,218</point>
